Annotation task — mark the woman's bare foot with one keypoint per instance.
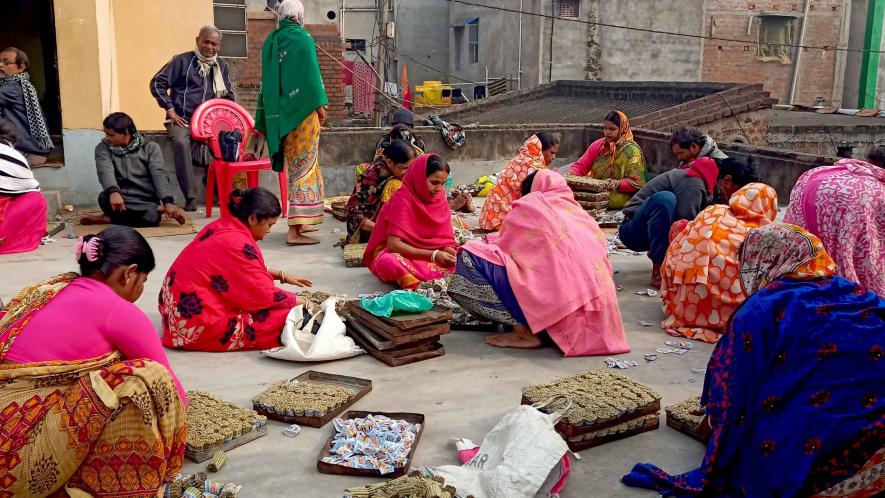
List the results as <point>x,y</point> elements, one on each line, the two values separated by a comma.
<point>655,281</point>
<point>295,237</point>
<point>520,338</point>
<point>457,203</point>
<point>95,219</point>
<point>468,204</point>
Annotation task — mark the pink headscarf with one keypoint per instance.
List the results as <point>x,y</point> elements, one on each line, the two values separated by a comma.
<point>412,214</point>
<point>557,263</point>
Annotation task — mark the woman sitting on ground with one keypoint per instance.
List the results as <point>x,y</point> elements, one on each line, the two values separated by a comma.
<point>844,205</point>
<point>413,240</point>
<point>86,382</point>
<point>135,187</point>
<point>22,206</point>
<point>374,187</point>
<point>553,276</point>
<point>219,295</point>
<point>701,286</point>
<point>614,157</point>
<point>537,153</point>
<point>793,392</point>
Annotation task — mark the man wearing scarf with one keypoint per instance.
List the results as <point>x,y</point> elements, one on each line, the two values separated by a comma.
<point>678,194</point>
<point>185,82</point>
<point>20,106</point>
<point>135,187</point>
<point>689,144</point>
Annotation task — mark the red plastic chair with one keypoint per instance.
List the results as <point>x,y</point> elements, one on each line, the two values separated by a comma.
<point>211,118</point>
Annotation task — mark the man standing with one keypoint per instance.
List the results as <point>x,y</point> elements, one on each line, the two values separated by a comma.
<point>689,144</point>
<point>185,82</point>
<point>20,106</point>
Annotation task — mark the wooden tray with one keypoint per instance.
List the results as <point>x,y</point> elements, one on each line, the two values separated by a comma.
<point>687,429</point>
<point>360,388</point>
<point>380,343</point>
<point>569,430</point>
<point>203,455</point>
<point>583,445</point>
<point>400,338</point>
<point>434,350</point>
<point>404,321</point>
<point>330,468</point>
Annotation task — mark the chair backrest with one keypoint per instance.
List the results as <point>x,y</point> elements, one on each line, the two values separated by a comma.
<point>216,115</point>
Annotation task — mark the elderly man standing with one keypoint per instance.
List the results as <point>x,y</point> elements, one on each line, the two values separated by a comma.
<point>20,106</point>
<point>185,82</point>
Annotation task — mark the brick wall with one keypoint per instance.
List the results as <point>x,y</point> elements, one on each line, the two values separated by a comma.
<point>736,62</point>
<point>753,128</point>
<point>246,73</point>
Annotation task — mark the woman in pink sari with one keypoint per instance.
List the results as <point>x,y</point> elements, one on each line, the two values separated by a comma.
<point>844,205</point>
<point>413,240</point>
<point>552,276</point>
<point>22,206</point>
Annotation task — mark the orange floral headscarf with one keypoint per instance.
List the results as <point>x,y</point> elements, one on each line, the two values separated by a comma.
<point>624,136</point>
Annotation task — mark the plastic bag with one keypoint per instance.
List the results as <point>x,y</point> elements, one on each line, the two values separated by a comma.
<point>329,343</point>
<point>556,479</point>
<point>399,300</point>
<point>519,458</point>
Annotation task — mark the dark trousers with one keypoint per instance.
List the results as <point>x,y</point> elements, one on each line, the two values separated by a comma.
<point>649,228</point>
<point>128,217</point>
<point>183,155</point>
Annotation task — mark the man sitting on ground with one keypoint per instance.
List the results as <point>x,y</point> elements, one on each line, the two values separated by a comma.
<point>689,144</point>
<point>20,106</point>
<point>136,190</point>
<point>678,194</point>
<point>185,82</point>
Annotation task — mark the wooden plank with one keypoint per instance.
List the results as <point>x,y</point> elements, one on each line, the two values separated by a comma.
<point>378,342</point>
<point>330,468</point>
<point>405,321</point>
<point>570,430</point>
<point>360,387</point>
<point>435,351</point>
<point>398,337</point>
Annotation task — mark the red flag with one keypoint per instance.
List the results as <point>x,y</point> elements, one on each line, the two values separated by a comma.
<point>407,93</point>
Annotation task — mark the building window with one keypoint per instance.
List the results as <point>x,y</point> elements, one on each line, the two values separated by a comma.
<point>459,47</point>
<point>230,19</point>
<point>568,8</point>
<point>473,41</point>
<point>776,34</point>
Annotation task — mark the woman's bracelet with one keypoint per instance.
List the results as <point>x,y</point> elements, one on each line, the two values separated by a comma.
<point>433,256</point>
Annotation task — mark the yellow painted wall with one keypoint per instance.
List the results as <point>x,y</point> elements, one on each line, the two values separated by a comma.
<point>148,34</point>
<point>108,51</point>
<point>82,78</point>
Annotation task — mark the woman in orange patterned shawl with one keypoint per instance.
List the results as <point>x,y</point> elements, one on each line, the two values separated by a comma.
<point>105,426</point>
<point>701,287</point>
<point>536,153</point>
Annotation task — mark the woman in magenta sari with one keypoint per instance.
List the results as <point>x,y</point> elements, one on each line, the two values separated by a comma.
<point>552,276</point>
<point>413,240</point>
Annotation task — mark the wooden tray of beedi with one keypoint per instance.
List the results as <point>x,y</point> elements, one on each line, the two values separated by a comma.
<point>401,323</point>
<point>398,359</point>
<point>299,415</point>
<point>341,470</point>
<point>681,418</point>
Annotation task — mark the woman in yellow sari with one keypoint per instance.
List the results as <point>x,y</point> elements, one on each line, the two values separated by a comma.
<point>91,409</point>
<point>614,157</point>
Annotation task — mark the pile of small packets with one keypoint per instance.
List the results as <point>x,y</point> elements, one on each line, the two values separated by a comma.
<point>199,486</point>
<point>372,443</point>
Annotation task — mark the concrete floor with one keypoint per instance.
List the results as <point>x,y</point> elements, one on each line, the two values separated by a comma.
<point>462,394</point>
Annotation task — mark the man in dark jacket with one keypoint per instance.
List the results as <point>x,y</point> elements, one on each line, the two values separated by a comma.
<point>20,106</point>
<point>678,194</point>
<point>185,82</point>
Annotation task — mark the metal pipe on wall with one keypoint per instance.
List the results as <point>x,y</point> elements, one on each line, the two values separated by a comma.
<point>795,79</point>
<point>552,27</point>
<point>519,50</point>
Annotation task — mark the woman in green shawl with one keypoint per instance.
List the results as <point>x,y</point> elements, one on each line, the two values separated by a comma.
<point>291,110</point>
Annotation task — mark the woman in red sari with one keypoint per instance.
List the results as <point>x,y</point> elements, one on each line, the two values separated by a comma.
<point>413,240</point>
<point>218,294</point>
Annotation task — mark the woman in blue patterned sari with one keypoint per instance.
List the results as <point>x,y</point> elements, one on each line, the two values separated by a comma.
<point>795,389</point>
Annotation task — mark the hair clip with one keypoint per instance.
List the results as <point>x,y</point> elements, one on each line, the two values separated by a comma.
<point>90,249</point>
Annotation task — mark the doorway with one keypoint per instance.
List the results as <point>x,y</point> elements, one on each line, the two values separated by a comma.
<point>30,26</point>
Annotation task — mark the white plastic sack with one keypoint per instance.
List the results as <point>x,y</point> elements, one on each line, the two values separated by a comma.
<point>330,342</point>
<point>514,460</point>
